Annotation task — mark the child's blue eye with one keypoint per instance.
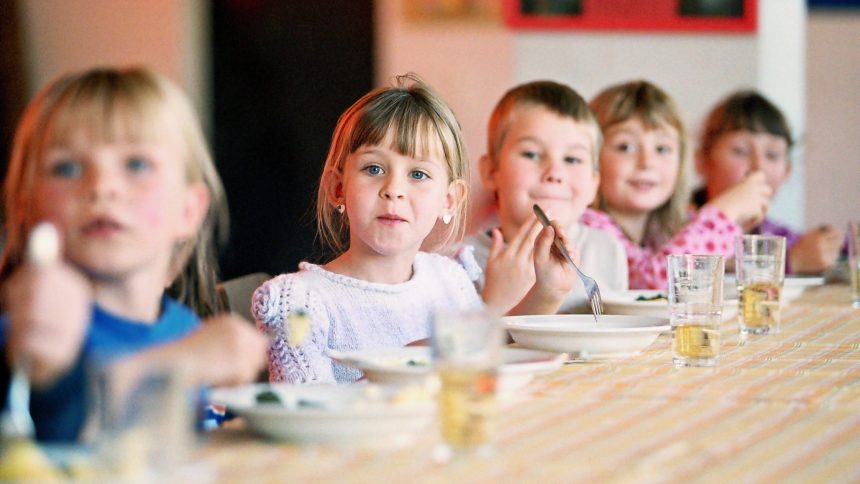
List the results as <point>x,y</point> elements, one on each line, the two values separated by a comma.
<point>67,169</point>
<point>573,160</point>
<point>664,150</point>
<point>136,164</point>
<point>532,155</point>
<point>373,170</point>
<point>419,175</point>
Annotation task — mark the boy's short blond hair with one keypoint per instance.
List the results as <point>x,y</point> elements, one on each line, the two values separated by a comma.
<point>558,98</point>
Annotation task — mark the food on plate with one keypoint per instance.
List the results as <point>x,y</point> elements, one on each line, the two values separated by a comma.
<point>656,297</point>
<point>370,395</point>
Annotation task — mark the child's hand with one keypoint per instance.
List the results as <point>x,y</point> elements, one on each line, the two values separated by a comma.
<point>553,273</point>
<point>49,305</point>
<point>746,203</point>
<point>554,276</point>
<point>510,270</point>
<point>225,350</point>
<point>817,250</point>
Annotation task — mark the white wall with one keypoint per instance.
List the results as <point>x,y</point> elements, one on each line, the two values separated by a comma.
<point>833,134</point>
<point>167,35</point>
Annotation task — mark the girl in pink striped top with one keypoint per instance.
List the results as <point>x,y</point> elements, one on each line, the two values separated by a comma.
<point>643,198</point>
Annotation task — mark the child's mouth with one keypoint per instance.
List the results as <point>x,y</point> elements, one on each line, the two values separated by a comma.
<point>390,219</point>
<point>642,186</point>
<point>102,227</point>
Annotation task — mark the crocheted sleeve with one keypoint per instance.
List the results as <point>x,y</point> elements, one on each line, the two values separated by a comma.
<point>708,232</point>
<point>292,361</point>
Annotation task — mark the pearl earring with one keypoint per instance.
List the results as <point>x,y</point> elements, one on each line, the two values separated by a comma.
<point>340,208</point>
<point>446,219</point>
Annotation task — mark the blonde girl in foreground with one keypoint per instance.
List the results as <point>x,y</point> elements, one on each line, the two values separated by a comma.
<point>397,169</point>
<point>115,159</point>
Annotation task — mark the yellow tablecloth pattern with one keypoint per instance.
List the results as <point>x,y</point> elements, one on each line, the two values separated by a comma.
<point>781,407</point>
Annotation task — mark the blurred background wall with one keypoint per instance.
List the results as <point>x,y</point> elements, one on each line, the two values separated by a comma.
<point>807,61</point>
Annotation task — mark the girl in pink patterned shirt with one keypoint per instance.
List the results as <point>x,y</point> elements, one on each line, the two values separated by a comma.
<point>643,198</point>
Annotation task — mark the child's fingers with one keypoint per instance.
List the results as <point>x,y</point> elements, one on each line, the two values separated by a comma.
<point>497,244</point>
<point>525,240</point>
<point>543,244</point>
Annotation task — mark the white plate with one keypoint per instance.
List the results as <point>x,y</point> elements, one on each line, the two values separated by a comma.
<point>341,415</point>
<point>413,365</point>
<point>578,335</point>
<point>625,302</point>
<point>792,287</point>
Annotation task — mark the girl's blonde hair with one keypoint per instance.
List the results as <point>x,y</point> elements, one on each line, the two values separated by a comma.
<point>110,104</point>
<point>556,97</point>
<point>745,110</point>
<point>654,108</point>
<point>410,111</point>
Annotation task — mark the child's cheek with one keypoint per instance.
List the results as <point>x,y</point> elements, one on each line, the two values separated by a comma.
<point>154,208</point>
<point>51,201</point>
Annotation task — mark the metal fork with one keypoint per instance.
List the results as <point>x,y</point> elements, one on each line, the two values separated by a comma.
<point>591,289</point>
<point>15,420</point>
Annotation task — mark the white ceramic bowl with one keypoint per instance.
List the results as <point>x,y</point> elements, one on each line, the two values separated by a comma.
<point>578,335</point>
<point>340,415</point>
<point>413,365</point>
<point>626,302</point>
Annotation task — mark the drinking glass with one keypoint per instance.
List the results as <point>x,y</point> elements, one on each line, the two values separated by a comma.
<point>695,308</point>
<point>760,271</point>
<point>854,261</point>
<point>467,350</point>
<point>144,428</point>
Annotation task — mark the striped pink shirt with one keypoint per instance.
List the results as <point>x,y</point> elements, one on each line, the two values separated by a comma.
<point>708,232</point>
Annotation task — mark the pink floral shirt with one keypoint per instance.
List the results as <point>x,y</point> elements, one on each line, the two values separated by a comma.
<point>708,232</point>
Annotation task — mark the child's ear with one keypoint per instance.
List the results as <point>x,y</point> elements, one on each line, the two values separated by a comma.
<point>195,206</point>
<point>488,171</point>
<point>595,186</point>
<point>335,194</point>
<point>457,190</point>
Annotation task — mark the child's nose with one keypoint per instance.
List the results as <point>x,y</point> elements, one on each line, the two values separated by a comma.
<point>102,184</point>
<point>644,158</point>
<point>392,189</point>
<point>755,161</point>
<point>553,173</point>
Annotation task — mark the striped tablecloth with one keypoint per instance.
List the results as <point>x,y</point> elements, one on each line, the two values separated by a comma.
<point>783,407</point>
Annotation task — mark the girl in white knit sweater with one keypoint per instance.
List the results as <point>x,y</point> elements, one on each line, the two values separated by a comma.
<point>396,168</point>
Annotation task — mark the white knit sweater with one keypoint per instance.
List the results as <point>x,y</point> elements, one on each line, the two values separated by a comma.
<point>352,314</point>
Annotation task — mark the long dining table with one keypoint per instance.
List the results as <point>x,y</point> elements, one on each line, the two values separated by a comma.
<point>778,407</point>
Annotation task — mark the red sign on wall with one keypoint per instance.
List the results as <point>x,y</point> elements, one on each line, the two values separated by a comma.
<point>728,16</point>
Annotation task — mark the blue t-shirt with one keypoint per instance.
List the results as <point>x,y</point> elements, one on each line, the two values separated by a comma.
<point>59,411</point>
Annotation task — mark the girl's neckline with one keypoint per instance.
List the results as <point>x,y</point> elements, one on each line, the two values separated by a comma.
<point>364,284</point>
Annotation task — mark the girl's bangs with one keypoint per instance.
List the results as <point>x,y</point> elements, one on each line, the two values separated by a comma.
<point>410,132</point>
<point>104,117</point>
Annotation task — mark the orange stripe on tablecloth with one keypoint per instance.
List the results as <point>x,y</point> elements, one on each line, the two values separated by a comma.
<point>721,411</point>
<point>797,417</point>
<point>817,448</point>
<point>734,407</point>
